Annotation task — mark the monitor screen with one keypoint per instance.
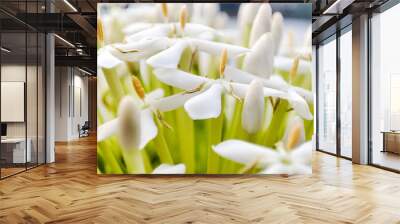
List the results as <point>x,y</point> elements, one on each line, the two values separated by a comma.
<point>3,129</point>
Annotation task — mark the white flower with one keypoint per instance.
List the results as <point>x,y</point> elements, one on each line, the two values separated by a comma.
<point>260,60</point>
<point>145,128</point>
<point>270,161</point>
<point>170,169</point>
<point>261,24</point>
<point>253,108</point>
<point>170,57</point>
<point>294,95</point>
<point>202,96</point>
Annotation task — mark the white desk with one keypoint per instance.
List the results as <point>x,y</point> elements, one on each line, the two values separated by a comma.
<point>19,149</point>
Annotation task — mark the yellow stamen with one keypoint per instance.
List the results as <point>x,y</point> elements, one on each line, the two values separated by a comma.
<point>294,137</point>
<point>183,17</point>
<point>138,87</point>
<point>290,42</point>
<point>224,59</point>
<point>294,68</point>
<point>164,9</point>
<point>100,33</point>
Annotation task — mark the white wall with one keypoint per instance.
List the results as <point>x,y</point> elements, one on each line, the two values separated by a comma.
<point>70,83</point>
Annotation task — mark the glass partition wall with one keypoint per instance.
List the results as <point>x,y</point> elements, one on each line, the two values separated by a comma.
<point>334,86</point>
<point>22,107</point>
<point>385,90</point>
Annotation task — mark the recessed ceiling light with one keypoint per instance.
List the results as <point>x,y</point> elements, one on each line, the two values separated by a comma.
<point>70,5</point>
<point>64,40</point>
<point>84,71</point>
<point>5,50</point>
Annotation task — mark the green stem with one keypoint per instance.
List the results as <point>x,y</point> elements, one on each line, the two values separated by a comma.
<point>146,160</point>
<point>134,161</point>
<point>214,136</point>
<point>161,145</point>
<point>276,129</point>
<point>186,138</point>
<point>234,131</point>
<point>114,84</point>
<point>111,163</point>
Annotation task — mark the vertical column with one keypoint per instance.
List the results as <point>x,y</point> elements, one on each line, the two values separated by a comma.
<point>360,90</point>
<point>50,92</point>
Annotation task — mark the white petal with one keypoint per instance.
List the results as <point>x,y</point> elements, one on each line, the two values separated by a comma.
<point>240,90</point>
<point>170,169</point>
<point>204,63</point>
<point>135,51</point>
<point>136,27</point>
<point>172,102</point>
<point>299,105</point>
<point>261,24</point>
<point>216,48</point>
<point>154,95</point>
<point>179,78</point>
<point>244,152</point>
<point>260,60</point>
<point>157,31</point>
<point>253,107</point>
<point>306,94</point>
<point>303,153</point>
<point>277,168</point>
<point>148,128</point>
<point>288,169</point>
<point>277,30</point>
<point>107,129</point>
<point>237,75</point>
<point>194,29</point>
<point>106,60</point>
<point>285,64</point>
<point>276,81</point>
<point>170,57</point>
<point>144,72</point>
<point>205,105</point>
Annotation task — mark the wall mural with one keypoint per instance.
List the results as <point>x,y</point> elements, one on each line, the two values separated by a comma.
<point>204,88</point>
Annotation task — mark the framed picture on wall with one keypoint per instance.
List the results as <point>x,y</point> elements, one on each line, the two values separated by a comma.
<point>204,88</point>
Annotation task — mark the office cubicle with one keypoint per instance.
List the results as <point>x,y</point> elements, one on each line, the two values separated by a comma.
<point>22,77</point>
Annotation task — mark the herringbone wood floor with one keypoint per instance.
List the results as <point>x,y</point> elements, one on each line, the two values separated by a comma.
<point>69,191</point>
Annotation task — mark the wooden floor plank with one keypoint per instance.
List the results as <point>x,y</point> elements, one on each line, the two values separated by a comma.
<point>70,191</point>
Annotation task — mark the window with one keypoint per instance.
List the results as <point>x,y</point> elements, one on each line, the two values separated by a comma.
<point>385,89</point>
<point>346,93</point>
<point>327,97</point>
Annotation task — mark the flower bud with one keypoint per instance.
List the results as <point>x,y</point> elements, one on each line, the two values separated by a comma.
<point>253,108</point>
<point>129,124</point>
<point>260,60</point>
<point>277,30</point>
<point>261,24</point>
